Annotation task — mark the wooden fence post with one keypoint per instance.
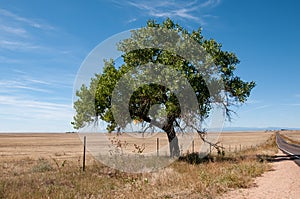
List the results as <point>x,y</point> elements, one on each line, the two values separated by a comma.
<point>193,146</point>
<point>84,148</point>
<point>157,147</point>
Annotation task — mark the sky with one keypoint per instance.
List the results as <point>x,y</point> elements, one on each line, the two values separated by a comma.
<point>43,44</point>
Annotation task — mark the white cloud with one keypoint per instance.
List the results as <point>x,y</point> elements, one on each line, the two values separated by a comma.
<point>174,9</point>
<point>210,3</point>
<point>21,32</point>
<point>41,109</point>
<point>132,20</point>
<point>36,81</point>
<point>17,106</point>
<point>18,33</point>
<point>18,45</point>
<point>22,101</point>
<point>166,9</point>
<point>12,85</point>
<point>27,21</point>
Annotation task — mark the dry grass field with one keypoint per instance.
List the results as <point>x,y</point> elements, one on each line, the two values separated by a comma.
<point>292,136</point>
<point>50,166</point>
<point>69,146</point>
<point>36,145</point>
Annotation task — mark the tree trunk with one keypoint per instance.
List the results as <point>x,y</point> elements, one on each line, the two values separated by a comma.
<point>173,143</point>
<point>173,140</point>
<point>169,129</point>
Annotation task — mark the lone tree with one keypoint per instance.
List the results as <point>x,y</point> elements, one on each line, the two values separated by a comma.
<point>96,101</point>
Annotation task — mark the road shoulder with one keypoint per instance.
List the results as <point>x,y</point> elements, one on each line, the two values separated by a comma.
<point>283,181</point>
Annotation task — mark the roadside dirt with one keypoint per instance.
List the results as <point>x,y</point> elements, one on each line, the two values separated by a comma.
<point>283,181</point>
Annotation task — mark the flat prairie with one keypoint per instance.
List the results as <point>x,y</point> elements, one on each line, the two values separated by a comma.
<point>69,146</point>
<point>49,165</point>
<point>35,145</point>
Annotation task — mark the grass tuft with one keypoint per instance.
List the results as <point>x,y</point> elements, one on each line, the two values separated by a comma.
<point>42,165</point>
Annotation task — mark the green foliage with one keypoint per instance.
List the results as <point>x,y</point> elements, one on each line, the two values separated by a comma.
<point>95,102</point>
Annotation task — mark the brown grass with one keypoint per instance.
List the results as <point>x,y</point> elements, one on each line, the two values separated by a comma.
<point>291,136</point>
<point>53,170</point>
<point>69,146</point>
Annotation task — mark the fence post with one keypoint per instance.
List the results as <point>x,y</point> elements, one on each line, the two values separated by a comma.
<point>193,146</point>
<point>240,147</point>
<point>157,147</point>
<point>84,148</point>
<point>223,149</point>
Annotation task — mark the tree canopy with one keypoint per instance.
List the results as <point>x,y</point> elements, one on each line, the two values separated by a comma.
<point>157,75</point>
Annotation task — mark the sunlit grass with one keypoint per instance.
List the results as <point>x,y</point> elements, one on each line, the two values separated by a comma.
<point>43,178</point>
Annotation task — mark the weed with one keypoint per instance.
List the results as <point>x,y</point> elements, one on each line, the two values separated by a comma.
<point>117,146</point>
<point>42,165</point>
<point>139,148</point>
<point>59,166</point>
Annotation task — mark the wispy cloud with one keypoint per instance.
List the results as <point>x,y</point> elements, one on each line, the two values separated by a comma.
<point>18,33</point>
<point>210,3</point>
<point>22,81</point>
<point>8,60</point>
<point>18,45</point>
<point>37,81</point>
<point>28,21</point>
<point>34,109</point>
<point>262,107</point>
<point>12,85</point>
<point>15,101</point>
<point>21,32</point>
<point>32,101</point>
<point>131,20</point>
<point>291,104</point>
<point>36,73</point>
<point>174,9</point>
<point>253,101</point>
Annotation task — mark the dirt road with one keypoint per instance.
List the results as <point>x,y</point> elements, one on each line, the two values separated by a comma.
<point>282,182</point>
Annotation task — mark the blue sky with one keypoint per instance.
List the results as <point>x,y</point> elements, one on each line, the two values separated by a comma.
<point>43,43</point>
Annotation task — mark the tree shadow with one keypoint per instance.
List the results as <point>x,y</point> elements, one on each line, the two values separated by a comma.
<point>277,158</point>
<point>199,158</point>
